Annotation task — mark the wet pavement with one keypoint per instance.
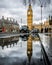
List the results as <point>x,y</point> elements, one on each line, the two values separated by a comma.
<point>26,51</point>
<point>47,43</point>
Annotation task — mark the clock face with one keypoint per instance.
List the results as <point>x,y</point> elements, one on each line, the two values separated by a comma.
<point>28,12</point>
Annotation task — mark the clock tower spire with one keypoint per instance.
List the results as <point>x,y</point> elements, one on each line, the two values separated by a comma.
<point>29,16</point>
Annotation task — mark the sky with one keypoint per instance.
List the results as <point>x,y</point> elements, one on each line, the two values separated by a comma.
<point>18,10</point>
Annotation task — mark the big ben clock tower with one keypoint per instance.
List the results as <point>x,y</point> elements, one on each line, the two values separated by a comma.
<point>29,17</point>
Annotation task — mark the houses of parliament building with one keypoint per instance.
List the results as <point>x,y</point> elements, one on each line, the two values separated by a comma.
<point>46,27</point>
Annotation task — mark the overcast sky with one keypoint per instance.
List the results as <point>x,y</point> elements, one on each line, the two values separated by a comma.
<point>17,10</point>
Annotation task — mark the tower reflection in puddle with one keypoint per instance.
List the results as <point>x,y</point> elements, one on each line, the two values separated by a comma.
<point>29,49</point>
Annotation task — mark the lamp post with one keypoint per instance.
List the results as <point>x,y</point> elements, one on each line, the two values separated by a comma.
<point>41,17</point>
<point>21,22</point>
<point>41,13</point>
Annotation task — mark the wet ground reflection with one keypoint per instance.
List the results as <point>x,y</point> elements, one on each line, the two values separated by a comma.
<point>25,51</point>
<point>47,42</point>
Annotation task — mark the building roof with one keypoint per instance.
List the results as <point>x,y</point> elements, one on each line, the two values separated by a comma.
<point>8,22</point>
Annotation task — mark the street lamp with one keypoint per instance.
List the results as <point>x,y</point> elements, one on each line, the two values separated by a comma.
<point>41,14</point>
<point>21,22</point>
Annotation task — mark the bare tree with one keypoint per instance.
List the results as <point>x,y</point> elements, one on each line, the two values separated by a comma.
<point>25,2</point>
<point>33,1</point>
<point>45,2</point>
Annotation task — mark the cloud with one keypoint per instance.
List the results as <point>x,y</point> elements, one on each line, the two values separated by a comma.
<point>17,10</point>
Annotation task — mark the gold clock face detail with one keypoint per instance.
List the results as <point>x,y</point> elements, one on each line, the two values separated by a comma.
<point>28,12</point>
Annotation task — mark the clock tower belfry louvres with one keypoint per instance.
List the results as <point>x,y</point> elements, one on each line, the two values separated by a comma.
<point>29,17</point>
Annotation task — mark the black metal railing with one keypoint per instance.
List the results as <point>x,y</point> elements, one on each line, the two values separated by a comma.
<point>45,56</point>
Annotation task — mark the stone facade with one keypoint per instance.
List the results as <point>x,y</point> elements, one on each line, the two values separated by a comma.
<point>29,17</point>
